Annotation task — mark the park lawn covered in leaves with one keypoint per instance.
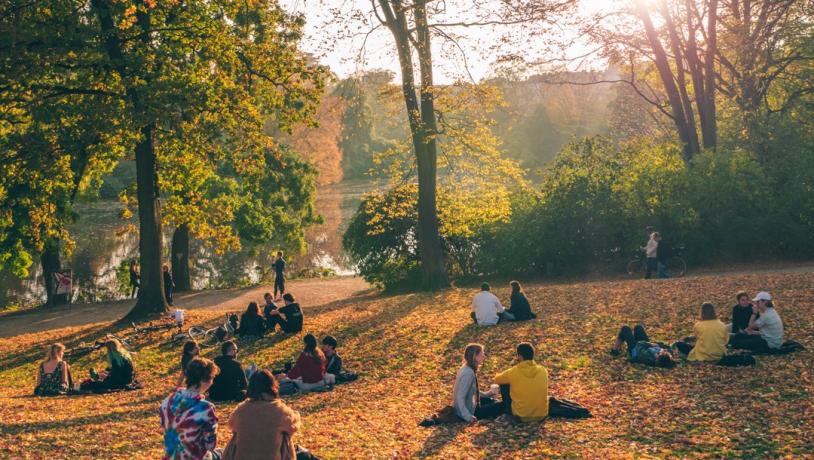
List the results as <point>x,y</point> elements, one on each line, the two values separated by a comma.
<point>407,349</point>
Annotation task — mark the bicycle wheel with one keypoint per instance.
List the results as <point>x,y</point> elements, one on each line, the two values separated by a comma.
<point>635,267</point>
<point>676,267</point>
<point>196,332</point>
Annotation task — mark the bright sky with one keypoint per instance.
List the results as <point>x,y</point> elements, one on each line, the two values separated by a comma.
<point>342,44</point>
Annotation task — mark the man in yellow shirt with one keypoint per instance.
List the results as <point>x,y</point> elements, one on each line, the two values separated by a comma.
<point>528,386</point>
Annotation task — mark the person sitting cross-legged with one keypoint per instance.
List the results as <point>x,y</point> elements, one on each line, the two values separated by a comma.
<point>252,323</point>
<point>486,308</point>
<point>765,331</point>
<point>189,421</point>
<point>469,402</point>
<point>119,374</point>
<point>230,384</point>
<point>527,381</point>
<point>520,309</point>
<point>710,335</point>
<point>289,317</point>
<point>308,372</point>
<point>641,349</point>
<point>53,373</point>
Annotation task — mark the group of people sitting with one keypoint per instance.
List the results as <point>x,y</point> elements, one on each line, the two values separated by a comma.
<point>54,374</point>
<point>755,327</point>
<point>289,317</point>
<point>488,311</point>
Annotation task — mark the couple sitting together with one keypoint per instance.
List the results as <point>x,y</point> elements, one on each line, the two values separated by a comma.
<point>54,374</point>
<point>488,311</point>
<point>315,369</point>
<point>762,333</point>
<point>289,317</point>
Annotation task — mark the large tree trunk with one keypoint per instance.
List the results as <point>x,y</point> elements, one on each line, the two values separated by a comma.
<point>179,253</point>
<point>423,135</point>
<point>50,265</point>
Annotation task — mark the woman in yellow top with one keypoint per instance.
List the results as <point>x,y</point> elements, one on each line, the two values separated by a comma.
<point>711,336</point>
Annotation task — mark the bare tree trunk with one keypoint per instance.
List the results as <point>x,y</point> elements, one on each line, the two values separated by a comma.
<point>179,253</point>
<point>709,126</point>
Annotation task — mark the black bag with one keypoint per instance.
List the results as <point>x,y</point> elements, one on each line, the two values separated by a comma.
<point>566,409</point>
<point>288,388</point>
<point>343,377</point>
<point>740,359</point>
<point>788,346</point>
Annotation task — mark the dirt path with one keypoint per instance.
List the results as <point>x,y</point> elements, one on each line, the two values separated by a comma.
<point>310,292</point>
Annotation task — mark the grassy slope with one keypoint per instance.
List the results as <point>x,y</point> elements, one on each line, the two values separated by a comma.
<point>407,349</point>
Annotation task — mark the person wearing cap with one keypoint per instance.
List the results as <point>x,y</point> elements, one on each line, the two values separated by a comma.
<point>486,308</point>
<point>765,329</point>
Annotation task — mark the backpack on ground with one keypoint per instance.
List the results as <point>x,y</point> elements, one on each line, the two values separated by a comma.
<point>736,360</point>
<point>343,377</point>
<point>566,409</point>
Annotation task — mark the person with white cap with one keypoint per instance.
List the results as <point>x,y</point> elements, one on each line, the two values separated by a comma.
<point>765,329</point>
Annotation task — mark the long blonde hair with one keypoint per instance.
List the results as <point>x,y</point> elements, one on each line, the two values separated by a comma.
<point>116,353</point>
<point>472,350</point>
<point>54,350</point>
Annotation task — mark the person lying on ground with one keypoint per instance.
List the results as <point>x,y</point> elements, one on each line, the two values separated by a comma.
<point>191,350</point>
<point>308,372</point>
<point>251,323</point>
<point>710,337</point>
<point>527,395</point>
<point>741,313</point>
<point>189,421</point>
<point>230,384</point>
<point>52,375</point>
<point>469,402</point>
<point>641,349</point>
<point>520,309</point>
<point>289,317</point>
<point>486,308</point>
<point>263,426</point>
<point>765,330</point>
<point>120,372</point>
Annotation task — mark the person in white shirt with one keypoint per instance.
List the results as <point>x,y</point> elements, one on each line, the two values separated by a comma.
<point>486,308</point>
<point>765,329</point>
<point>651,252</point>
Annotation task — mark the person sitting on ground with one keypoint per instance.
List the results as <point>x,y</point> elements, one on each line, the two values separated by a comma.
<point>741,313</point>
<point>520,309</point>
<point>308,372</point>
<point>189,421</point>
<point>119,374</point>
<point>263,426</point>
<point>269,307</point>
<point>469,402</point>
<point>710,335</point>
<point>288,317</point>
<point>641,349</point>
<point>251,323</point>
<point>52,375</point>
<point>230,384</point>
<point>765,330</point>
<point>527,395</point>
<point>333,365</point>
<point>191,350</point>
<point>486,308</point>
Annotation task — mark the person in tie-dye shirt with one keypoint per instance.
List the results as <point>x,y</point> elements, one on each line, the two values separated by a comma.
<point>188,419</point>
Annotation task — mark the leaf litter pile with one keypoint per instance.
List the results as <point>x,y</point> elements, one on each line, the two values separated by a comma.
<point>407,349</point>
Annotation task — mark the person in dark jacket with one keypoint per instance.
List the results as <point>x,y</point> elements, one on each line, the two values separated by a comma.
<point>663,254</point>
<point>231,383</point>
<point>279,275</point>
<point>119,374</point>
<point>269,307</point>
<point>333,363</point>
<point>169,284</point>
<point>741,313</point>
<point>135,278</point>
<point>251,323</point>
<point>288,317</point>
<point>520,309</point>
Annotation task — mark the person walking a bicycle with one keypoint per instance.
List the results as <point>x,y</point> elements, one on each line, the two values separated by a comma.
<point>651,254</point>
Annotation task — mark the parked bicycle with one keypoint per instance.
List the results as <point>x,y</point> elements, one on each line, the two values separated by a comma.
<point>207,337</point>
<point>85,348</point>
<point>675,265</point>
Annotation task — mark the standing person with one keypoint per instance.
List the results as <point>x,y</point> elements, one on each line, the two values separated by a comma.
<point>711,337</point>
<point>741,313</point>
<point>189,421</point>
<point>135,278</point>
<point>190,351</point>
<point>289,317</point>
<point>279,275</point>
<point>119,374</point>
<point>663,253</point>
<point>765,331</point>
<point>308,372</point>
<point>469,402</point>
<point>651,254</point>
<point>520,309</point>
<point>486,308</point>
<point>169,284</point>
<point>230,384</point>
<point>263,426</point>
<point>528,386</point>
<point>52,375</point>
